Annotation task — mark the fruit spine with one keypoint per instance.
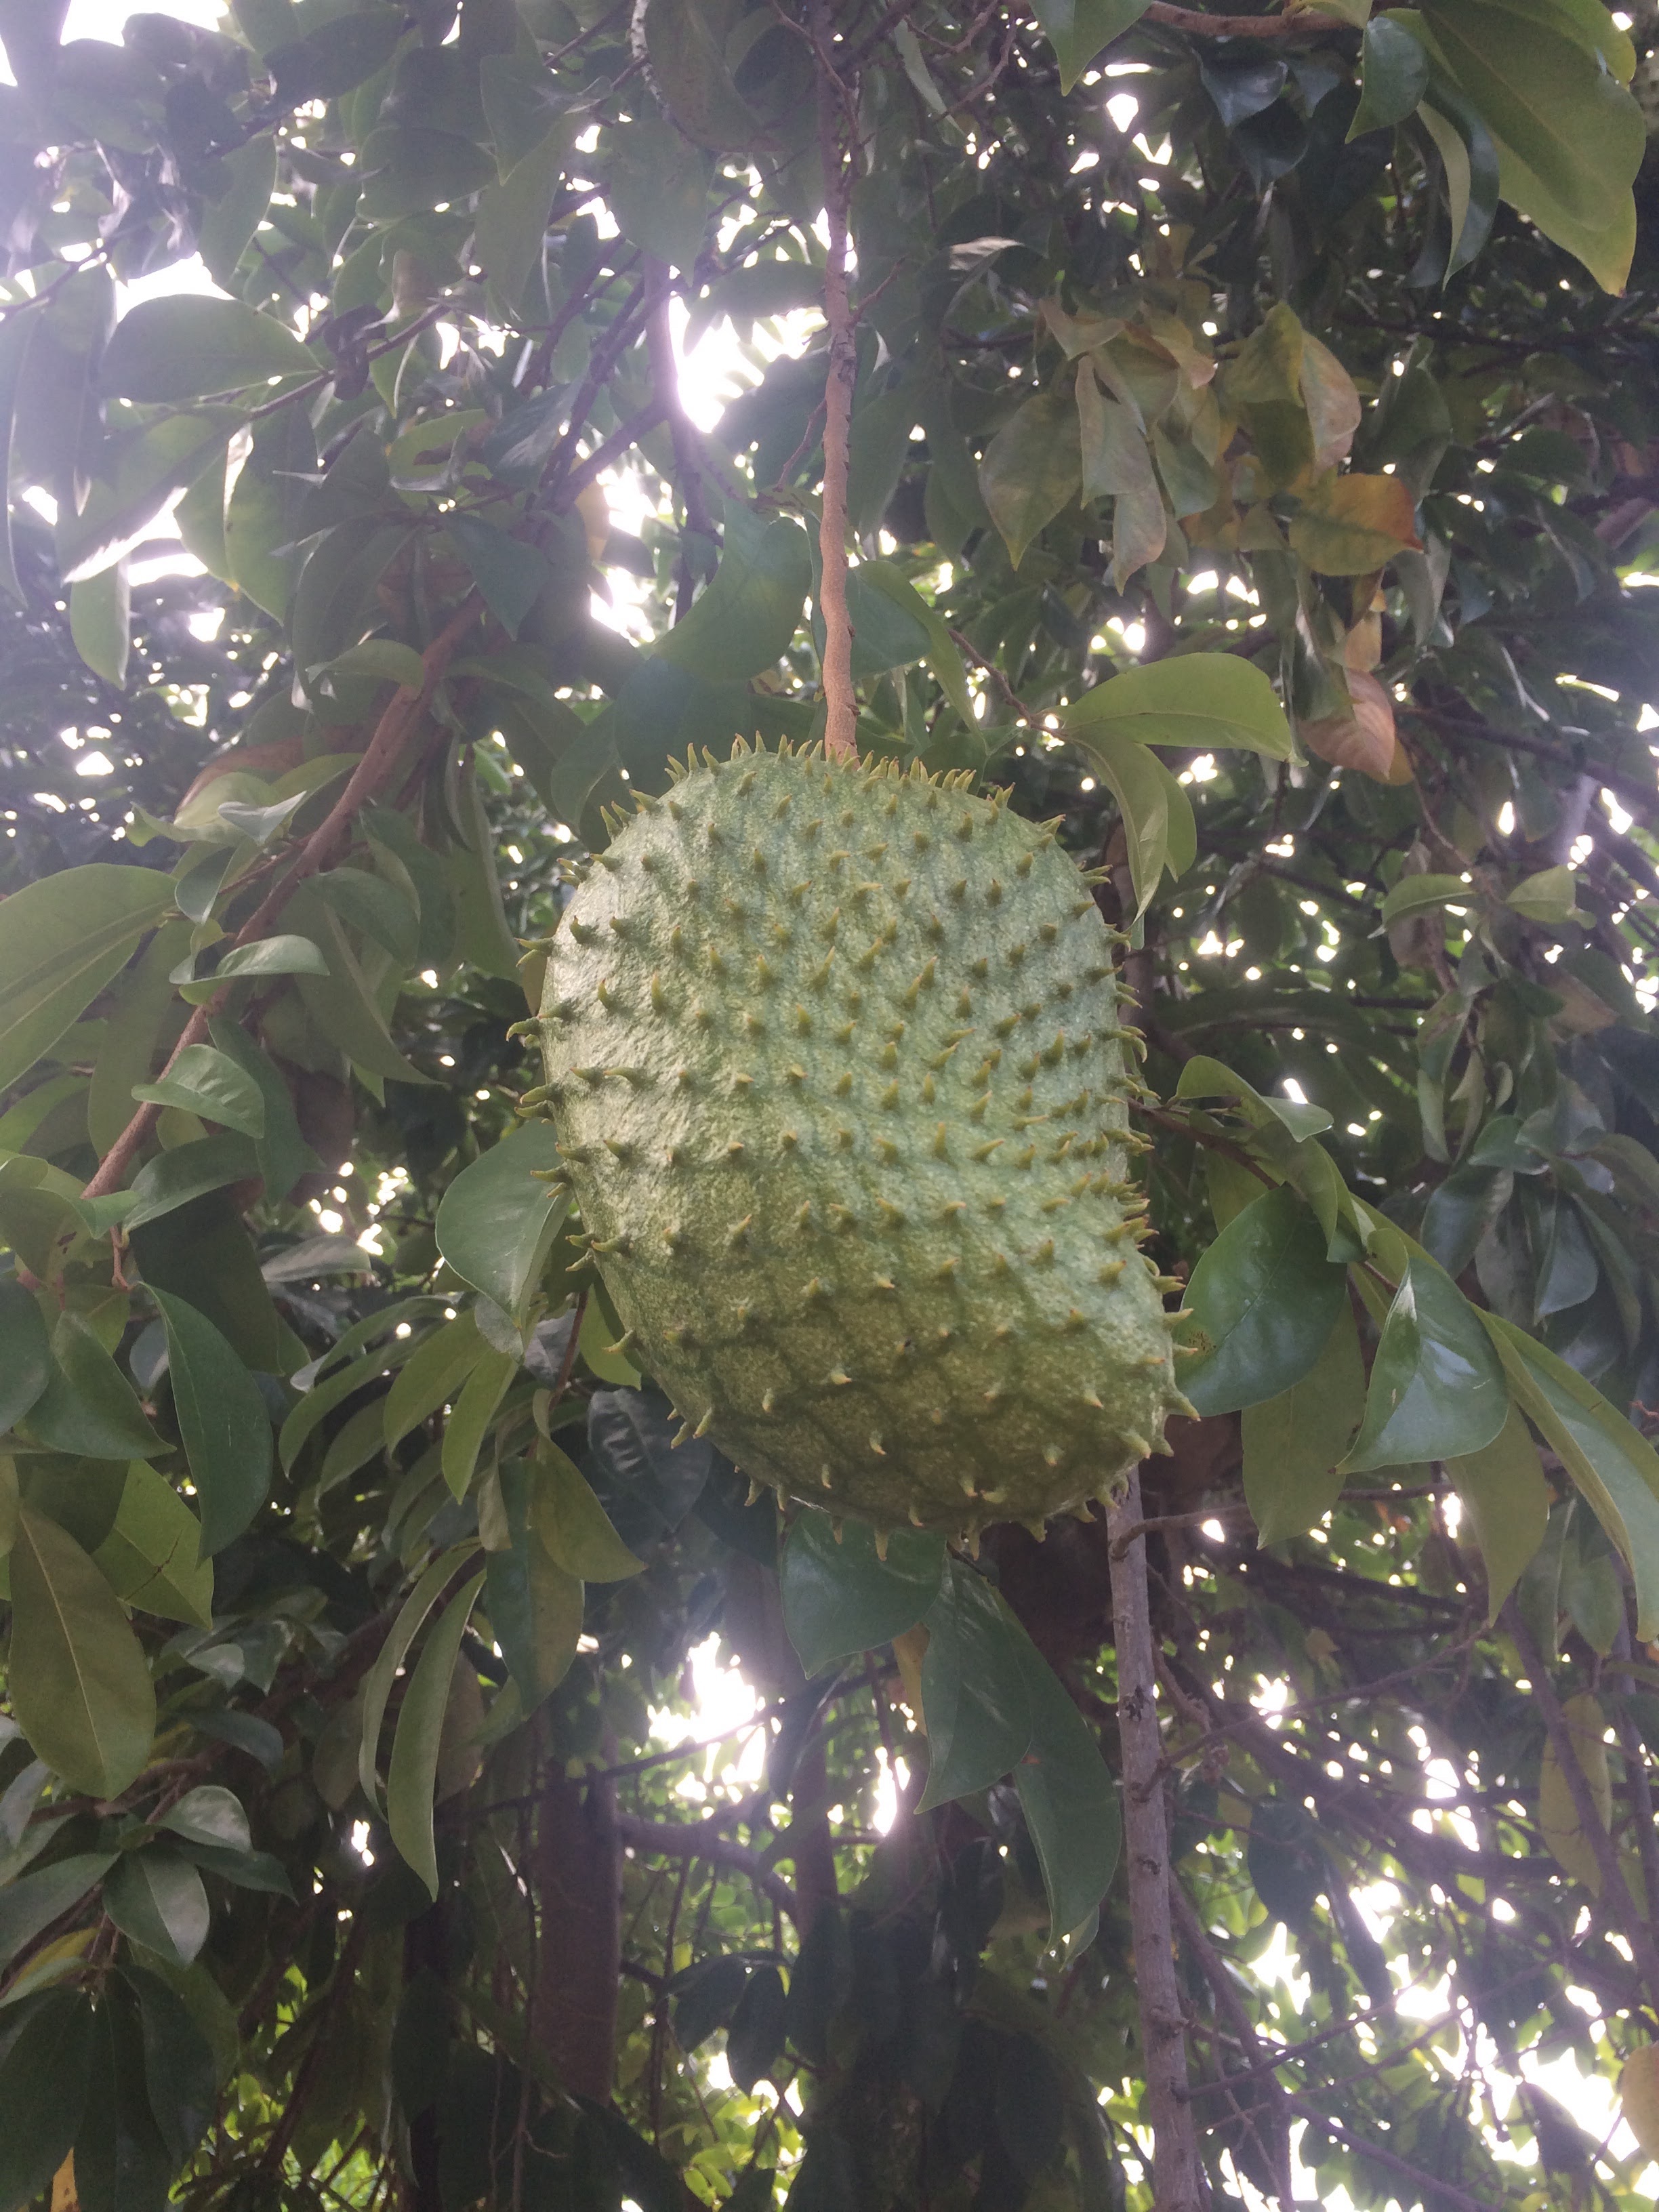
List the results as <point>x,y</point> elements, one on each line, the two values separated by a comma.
<point>834,1056</point>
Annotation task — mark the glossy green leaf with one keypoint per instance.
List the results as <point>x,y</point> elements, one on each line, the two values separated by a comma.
<point>155,1897</point>
<point>222,1419</point>
<point>45,2069</point>
<point>1394,76</point>
<point>173,1179</point>
<point>1264,1299</point>
<point>209,1815</point>
<point>1211,701</point>
<point>187,346</point>
<point>474,1410</point>
<point>496,1222</point>
<point>535,1603</point>
<point>841,1598</point>
<point>134,484</point>
<point>80,1686</point>
<point>25,1353</point>
<point>1157,815</point>
<point>431,1376</point>
<point>152,1557</point>
<point>574,1528</point>
<point>132,1032</point>
<point>61,940</point>
<point>658,185</point>
<point>1069,1799</point>
<point>975,1690</point>
<point>1032,468</point>
<point>30,1904</point>
<point>283,954</point>
<point>87,1407</point>
<point>1436,1387</point>
<point>413,1777</point>
<point>202,1080</point>
<point>743,622</point>
<point>230,220</point>
<point>377,1686</point>
<point>510,574</point>
<point>1296,1443</point>
<point>1614,1467</point>
<point>1079,30</point>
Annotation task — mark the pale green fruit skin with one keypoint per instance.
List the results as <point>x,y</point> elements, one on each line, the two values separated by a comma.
<point>834,1060</point>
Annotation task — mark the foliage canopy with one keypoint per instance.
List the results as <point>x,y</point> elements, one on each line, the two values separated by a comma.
<point>1244,432</point>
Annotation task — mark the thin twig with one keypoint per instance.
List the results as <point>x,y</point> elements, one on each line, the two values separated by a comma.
<point>841,706</point>
<point>320,850</point>
<point>1177,2174</point>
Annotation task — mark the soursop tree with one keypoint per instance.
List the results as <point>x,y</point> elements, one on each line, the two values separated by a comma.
<point>828,1224</point>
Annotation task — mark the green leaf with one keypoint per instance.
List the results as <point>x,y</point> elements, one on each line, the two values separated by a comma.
<point>1203,1078</point>
<point>512,222</point>
<point>1032,468</point>
<point>222,1419</point>
<point>156,1898</point>
<point>744,621</point>
<point>496,1223</point>
<point>1264,1299</point>
<point>61,940</point>
<point>25,1353</point>
<point>99,623</point>
<point>1287,1866</point>
<point>974,1692</point>
<point>1394,76</point>
<point>173,1179</point>
<point>840,1598</point>
<point>535,1603</point>
<point>1559,1822</point>
<point>1069,1799</point>
<point>186,346</point>
<point>209,1815</point>
<point>1210,702</point>
<point>380,658</point>
<point>1614,1467</point>
<point>44,2077</point>
<point>943,654</point>
<point>432,1376</point>
<point>1295,1443</point>
<point>132,1033</point>
<point>511,575</point>
<point>413,1775</point>
<point>229,221</point>
<point>1157,815</point>
<point>87,1408</point>
<point>1550,896</point>
<point>1422,894</point>
<point>341,1003</point>
<point>686,50</point>
<point>473,1412</point>
<point>1436,1387</point>
<point>1080,29</point>
<point>30,1904</point>
<point>377,1686</point>
<point>658,186</point>
<point>137,476</point>
<point>1504,1491</point>
<point>152,1557</point>
<point>285,955</point>
<point>204,1081</point>
<point>574,1528</point>
<point>80,1687</point>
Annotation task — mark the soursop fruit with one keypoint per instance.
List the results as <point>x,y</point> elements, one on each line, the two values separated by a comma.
<point>834,1058</point>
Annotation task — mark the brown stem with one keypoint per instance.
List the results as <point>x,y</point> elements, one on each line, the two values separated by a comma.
<point>1305,23</point>
<point>1415,2174</point>
<point>321,850</point>
<point>1273,2138</point>
<point>840,707</point>
<point>1615,1891</point>
<point>1177,2176</point>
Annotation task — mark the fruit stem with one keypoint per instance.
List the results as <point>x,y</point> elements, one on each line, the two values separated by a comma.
<point>840,707</point>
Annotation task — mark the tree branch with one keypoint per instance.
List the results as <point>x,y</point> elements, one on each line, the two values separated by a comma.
<point>1303,23</point>
<point>320,850</point>
<point>1274,2140</point>
<point>840,707</point>
<point>671,1840</point>
<point>1177,2176</point>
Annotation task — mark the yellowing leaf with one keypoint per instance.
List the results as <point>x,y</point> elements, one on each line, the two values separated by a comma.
<point>1348,525</point>
<point>1364,738</point>
<point>1570,1844</point>
<point>1502,1491</point>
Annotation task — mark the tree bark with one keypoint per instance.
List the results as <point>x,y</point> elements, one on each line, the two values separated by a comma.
<point>578,1876</point>
<point>1178,2181</point>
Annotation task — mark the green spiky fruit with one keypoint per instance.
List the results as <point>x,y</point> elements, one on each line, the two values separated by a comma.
<point>834,1057</point>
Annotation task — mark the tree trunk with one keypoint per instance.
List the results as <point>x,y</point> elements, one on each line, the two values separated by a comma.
<point>578,1875</point>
